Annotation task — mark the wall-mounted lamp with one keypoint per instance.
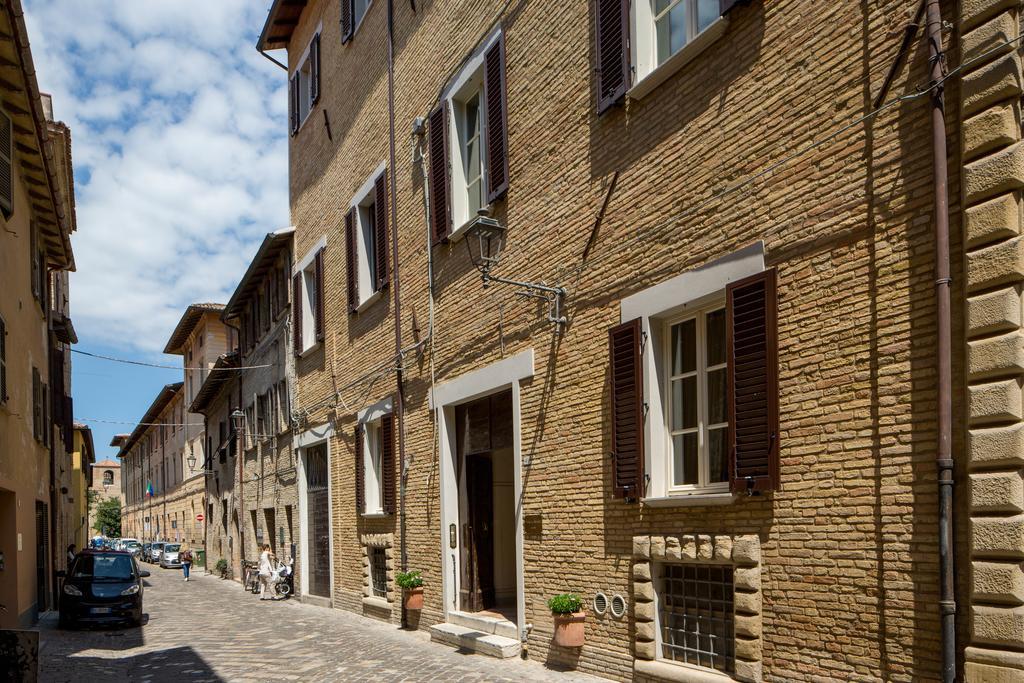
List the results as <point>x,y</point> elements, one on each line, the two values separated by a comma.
<point>485,239</point>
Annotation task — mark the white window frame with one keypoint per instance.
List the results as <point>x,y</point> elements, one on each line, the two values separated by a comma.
<point>357,18</point>
<point>698,313</point>
<point>304,69</point>
<point>673,300</point>
<point>307,267</point>
<point>364,204</point>
<point>373,471</point>
<point>469,82</point>
<point>648,73</point>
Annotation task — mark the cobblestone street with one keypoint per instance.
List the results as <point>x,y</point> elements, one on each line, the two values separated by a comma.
<point>210,630</point>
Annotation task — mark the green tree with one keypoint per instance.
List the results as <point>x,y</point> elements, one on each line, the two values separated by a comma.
<point>108,517</point>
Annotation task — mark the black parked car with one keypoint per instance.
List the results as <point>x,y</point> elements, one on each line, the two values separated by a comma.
<point>102,586</point>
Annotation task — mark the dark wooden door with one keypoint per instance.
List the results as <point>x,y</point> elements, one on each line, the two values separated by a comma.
<point>478,534</point>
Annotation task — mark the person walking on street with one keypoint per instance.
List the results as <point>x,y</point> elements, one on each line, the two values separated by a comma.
<point>186,560</point>
<point>266,569</point>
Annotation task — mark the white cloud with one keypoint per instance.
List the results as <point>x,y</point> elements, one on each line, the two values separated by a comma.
<point>180,152</point>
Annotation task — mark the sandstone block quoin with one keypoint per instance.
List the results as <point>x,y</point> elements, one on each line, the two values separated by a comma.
<point>994,219</point>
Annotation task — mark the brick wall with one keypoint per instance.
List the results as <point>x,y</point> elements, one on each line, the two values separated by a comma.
<point>849,551</point>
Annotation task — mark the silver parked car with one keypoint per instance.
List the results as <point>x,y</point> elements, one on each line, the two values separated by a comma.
<point>169,558</point>
<point>154,551</point>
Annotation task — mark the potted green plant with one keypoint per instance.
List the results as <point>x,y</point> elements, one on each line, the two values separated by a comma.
<point>411,584</point>
<point>222,567</point>
<point>567,611</point>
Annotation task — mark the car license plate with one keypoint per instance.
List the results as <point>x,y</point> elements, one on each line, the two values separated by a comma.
<point>100,610</point>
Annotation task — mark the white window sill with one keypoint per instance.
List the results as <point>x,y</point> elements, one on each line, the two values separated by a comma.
<point>690,500</point>
<point>309,350</point>
<point>678,671</point>
<point>376,603</point>
<point>309,115</point>
<point>369,301</point>
<point>380,514</point>
<point>458,232</point>
<point>663,71</point>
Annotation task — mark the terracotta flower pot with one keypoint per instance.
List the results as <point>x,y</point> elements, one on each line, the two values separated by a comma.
<point>569,629</point>
<point>414,598</point>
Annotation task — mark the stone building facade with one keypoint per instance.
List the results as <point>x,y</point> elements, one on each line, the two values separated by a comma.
<point>734,426</point>
<point>162,473</point>
<point>37,219</point>
<point>104,480</point>
<point>259,494</point>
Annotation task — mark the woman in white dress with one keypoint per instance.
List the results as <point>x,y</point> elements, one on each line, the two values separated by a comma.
<point>266,572</point>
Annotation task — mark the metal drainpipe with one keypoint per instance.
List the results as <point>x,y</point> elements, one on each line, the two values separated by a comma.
<point>944,455</point>
<point>400,398</point>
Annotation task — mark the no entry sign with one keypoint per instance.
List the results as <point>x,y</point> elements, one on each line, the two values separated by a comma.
<point>199,517</point>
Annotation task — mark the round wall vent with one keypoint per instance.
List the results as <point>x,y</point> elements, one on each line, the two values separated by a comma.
<point>618,606</point>
<point>600,603</point>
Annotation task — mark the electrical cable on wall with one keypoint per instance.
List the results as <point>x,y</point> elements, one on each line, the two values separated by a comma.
<point>166,367</point>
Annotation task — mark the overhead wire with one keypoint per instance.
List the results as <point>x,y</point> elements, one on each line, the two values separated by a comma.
<point>162,366</point>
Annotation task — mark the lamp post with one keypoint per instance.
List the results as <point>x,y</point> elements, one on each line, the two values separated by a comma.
<point>238,422</point>
<point>485,239</point>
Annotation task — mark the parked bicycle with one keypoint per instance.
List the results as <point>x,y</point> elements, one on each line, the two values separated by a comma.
<point>251,572</point>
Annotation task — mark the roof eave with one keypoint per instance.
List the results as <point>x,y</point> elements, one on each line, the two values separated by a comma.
<point>268,251</point>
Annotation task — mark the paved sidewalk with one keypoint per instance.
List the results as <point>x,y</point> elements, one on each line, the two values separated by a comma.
<point>210,630</point>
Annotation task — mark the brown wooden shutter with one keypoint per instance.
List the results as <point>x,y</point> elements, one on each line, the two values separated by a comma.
<point>496,120</point>
<point>347,27</point>
<point>440,216</point>
<point>627,398</point>
<point>612,50</point>
<point>351,261</point>
<point>37,412</point>
<point>3,361</point>
<point>314,69</point>
<point>320,321</point>
<point>297,313</point>
<point>293,103</point>
<point>387,462</point>
<point>380,225</point>
<point>6,165</point>
<point>360,472</point>
<point>751,312</point>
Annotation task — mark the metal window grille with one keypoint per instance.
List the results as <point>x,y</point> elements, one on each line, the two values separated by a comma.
<point>696,610</point>
<point>378,572</point>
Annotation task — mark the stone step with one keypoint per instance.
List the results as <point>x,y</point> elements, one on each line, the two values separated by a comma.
<point>471,640</point>
<point>498,626</point>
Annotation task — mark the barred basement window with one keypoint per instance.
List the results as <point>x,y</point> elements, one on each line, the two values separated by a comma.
<point>378,572</point>
<point>696,612</point>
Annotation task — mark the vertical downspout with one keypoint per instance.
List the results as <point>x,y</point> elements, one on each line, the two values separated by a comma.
<point>944,456</point>
<point>395,283</point>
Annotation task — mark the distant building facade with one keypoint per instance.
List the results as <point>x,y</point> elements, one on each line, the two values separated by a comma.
<point>104,484</point>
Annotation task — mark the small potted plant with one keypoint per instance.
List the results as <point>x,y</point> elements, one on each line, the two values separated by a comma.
<point>567,611</point>
<point>222,567</point>
<point>412,585</point>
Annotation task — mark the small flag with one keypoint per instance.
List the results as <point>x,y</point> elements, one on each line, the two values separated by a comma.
<point>149,489</point>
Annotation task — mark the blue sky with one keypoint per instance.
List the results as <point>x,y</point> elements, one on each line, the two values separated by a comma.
<point>179,146</point>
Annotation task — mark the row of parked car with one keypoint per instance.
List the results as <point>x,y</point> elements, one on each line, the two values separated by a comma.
<point>165,554</point>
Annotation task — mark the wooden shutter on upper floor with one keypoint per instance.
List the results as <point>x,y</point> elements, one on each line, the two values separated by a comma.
<point>380,225</point>
<point>314,69</point>
<point>351,261</point>
<point>3,361</point>
<point>6,165</point>
<point>612,70</point>
<point>347,24</point>
<point>319,321</point>
<point>440,214</point>
<point>37,412</point>
<point>627,414</point>
<point>360,471</point>
<point>753,385</point>
<point>297,313</point>
<point>293,103</point>
<point>496,123</point>
<point>387,463</point>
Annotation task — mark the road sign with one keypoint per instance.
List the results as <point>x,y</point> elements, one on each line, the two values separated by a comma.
<point>199,517</point>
